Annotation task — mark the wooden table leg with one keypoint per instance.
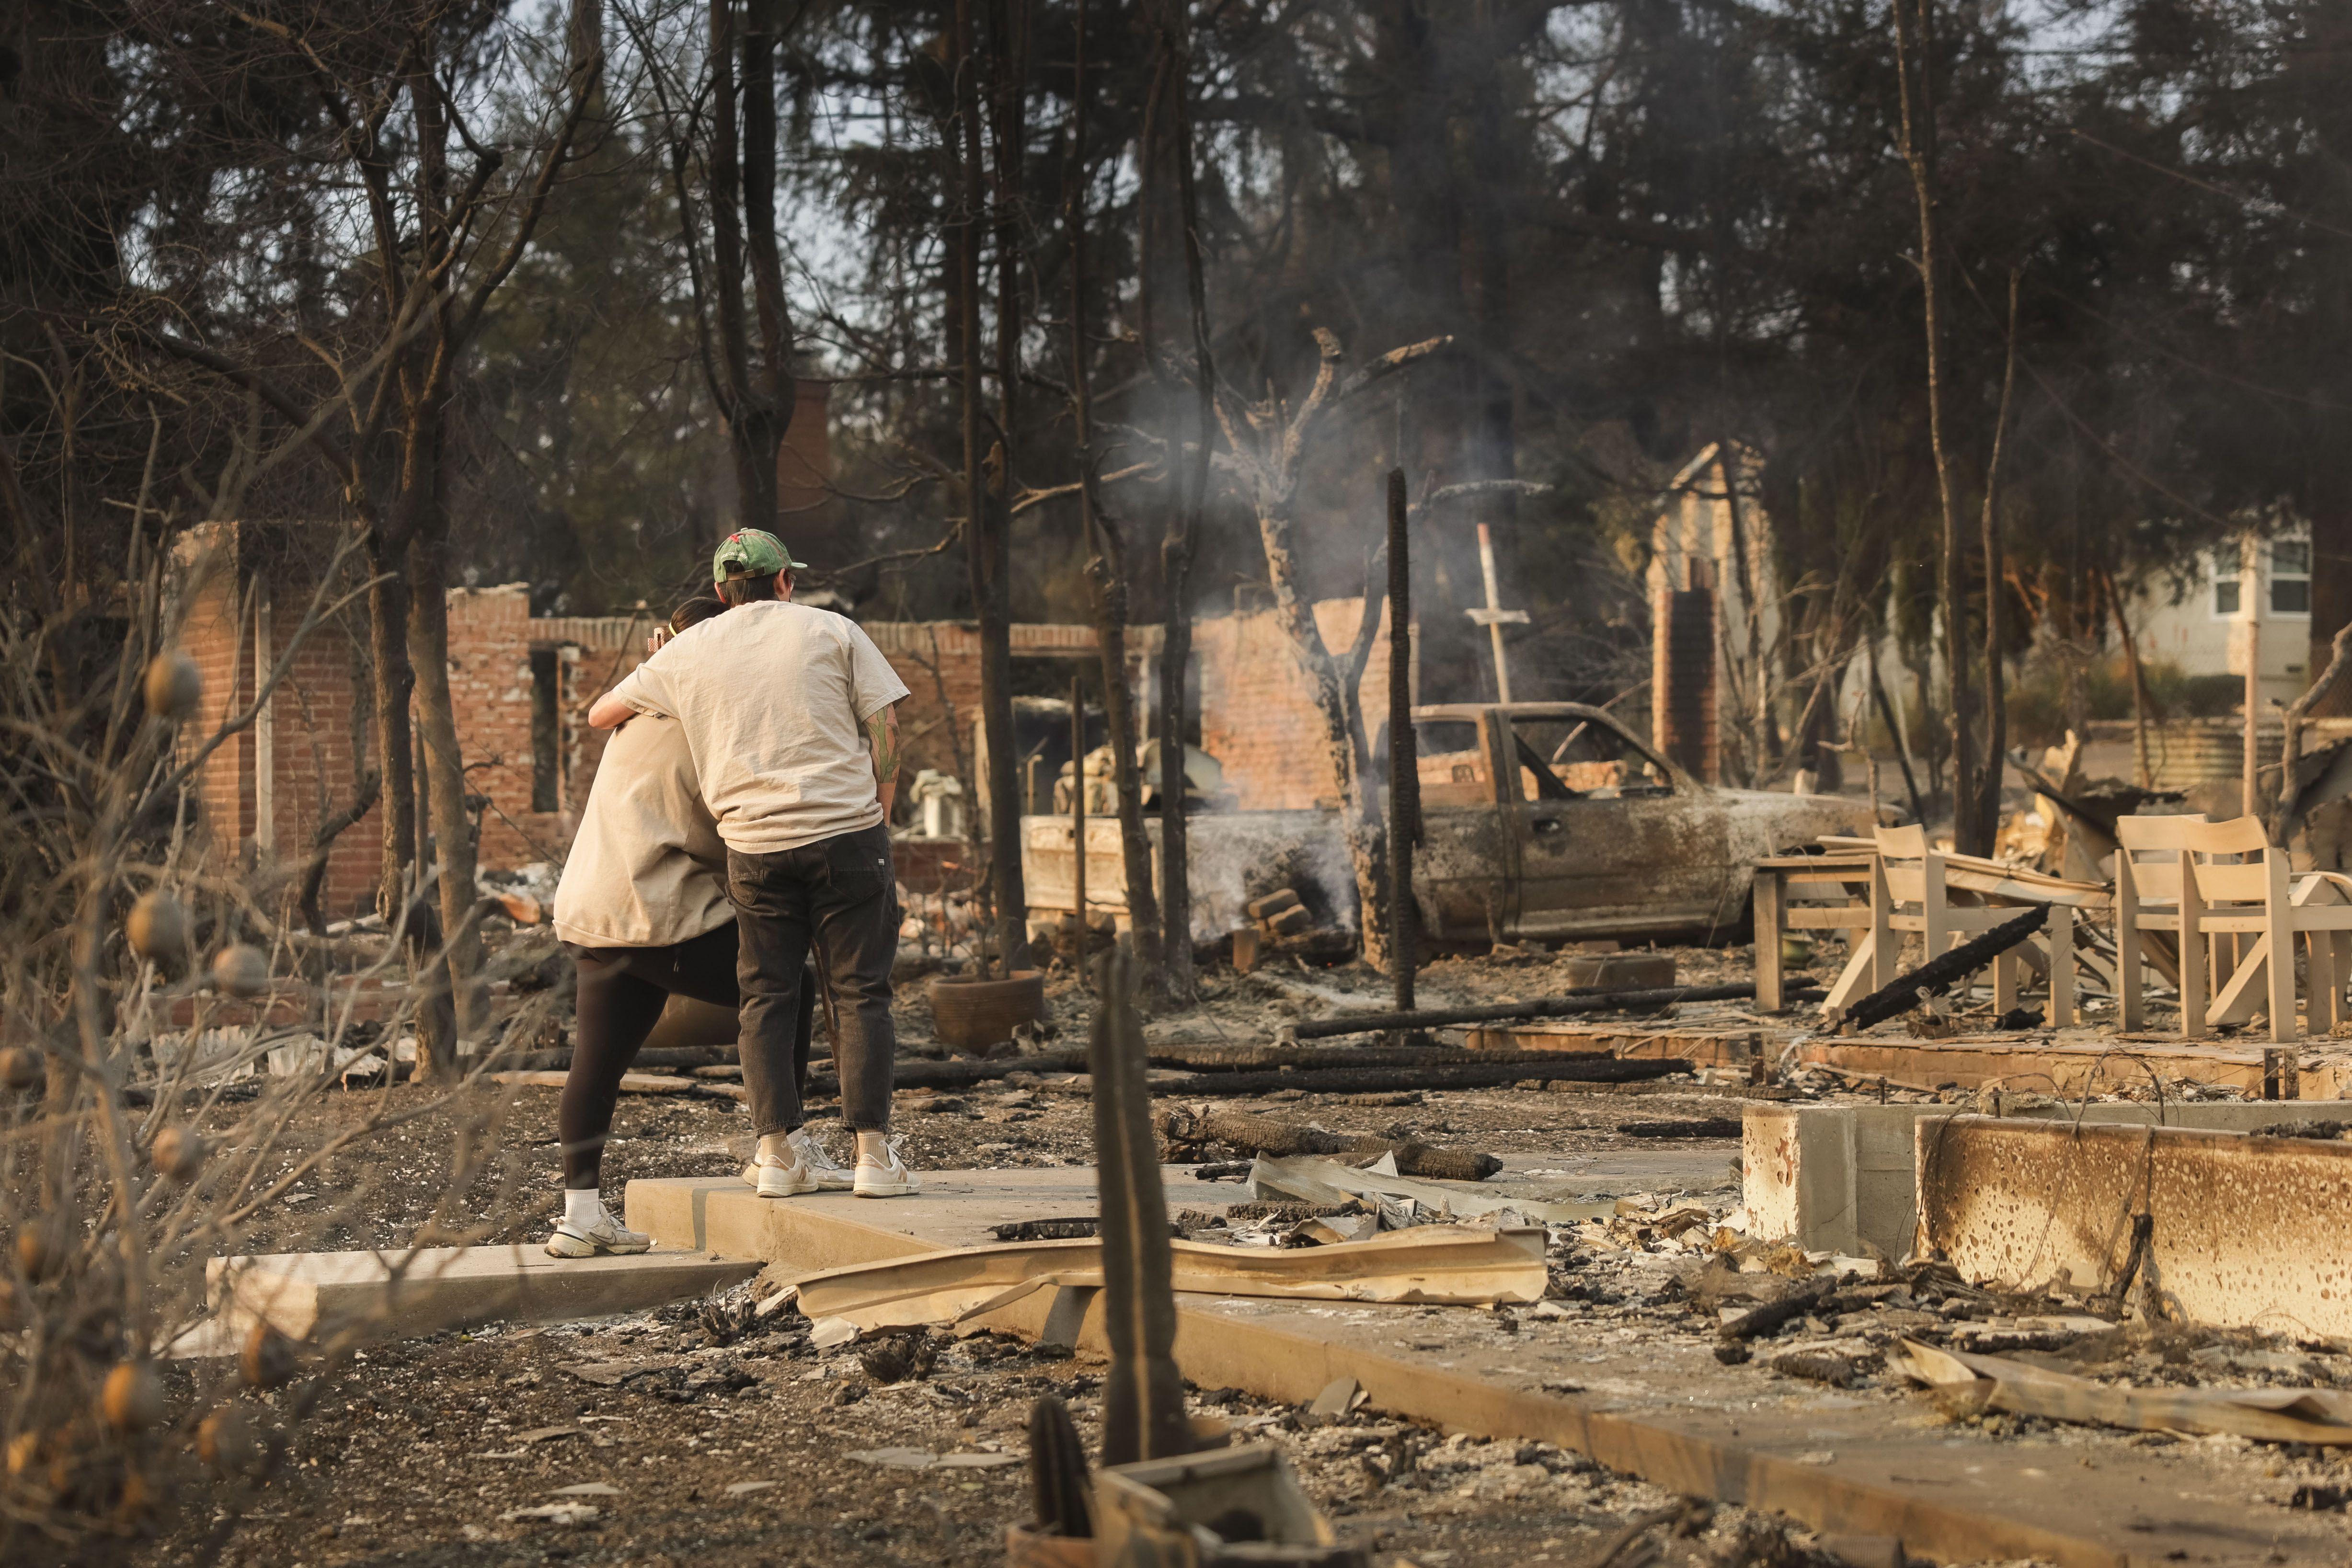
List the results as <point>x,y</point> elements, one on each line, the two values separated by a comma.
<point>2062,966</point>
<point>1768,906</point>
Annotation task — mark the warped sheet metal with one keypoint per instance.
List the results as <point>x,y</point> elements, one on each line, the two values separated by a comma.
<point>1313,1180</point>
<point>1430,1265</point>
<point>1970,1382</point>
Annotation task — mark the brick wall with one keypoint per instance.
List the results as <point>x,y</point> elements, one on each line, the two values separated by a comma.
<point>1258,715</point>
<point>1258,708</point>
<point>316,769</point>
<point>492,693</point>
<point>939,661</point>
<point>245,603</point>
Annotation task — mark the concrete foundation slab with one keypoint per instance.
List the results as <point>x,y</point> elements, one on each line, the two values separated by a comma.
<point>1654,1405</point>
<point>396,1294</point>
<point>2245,1232</point>
<point>1841,1179</point>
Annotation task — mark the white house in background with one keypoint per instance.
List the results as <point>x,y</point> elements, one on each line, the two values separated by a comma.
<point>2256,592</point>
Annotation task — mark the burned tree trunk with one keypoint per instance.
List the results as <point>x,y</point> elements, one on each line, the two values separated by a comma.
<point>1107,566</point>
<point>1914,70</point>
<point>993,543</point>
<point>1269,443</point>
<point>1170,96</point>
<point>985,529</point>
<point>1405,774</point>
<point>756,402</point>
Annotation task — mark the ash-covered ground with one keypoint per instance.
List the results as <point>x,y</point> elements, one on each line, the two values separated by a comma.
<point>699,1435</point>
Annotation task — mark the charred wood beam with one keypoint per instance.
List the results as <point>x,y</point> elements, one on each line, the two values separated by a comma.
<point>1185,1132</point>
<point>1292,1065</point>
<point>1939,975</point>
<point>1435,1069</point>
<point>1567,1006</point>
<point>1143,1392</point>
<point>1447,1075</point>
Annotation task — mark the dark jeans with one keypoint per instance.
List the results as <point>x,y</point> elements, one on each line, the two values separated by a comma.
<point>839,897</point>
<point>622,993</point>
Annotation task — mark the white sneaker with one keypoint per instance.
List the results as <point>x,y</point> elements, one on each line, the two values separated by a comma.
<point>832,1176</point>
<point>875,1179</point>
<point>606,1234</point>
<point>773,1179</point>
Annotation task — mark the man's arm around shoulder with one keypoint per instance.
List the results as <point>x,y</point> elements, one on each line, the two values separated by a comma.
<point>611,711</point>
<point>644,689</point>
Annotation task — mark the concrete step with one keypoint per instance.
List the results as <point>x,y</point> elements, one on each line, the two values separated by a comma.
<point>394,1295</point>
<point>833,1229</point>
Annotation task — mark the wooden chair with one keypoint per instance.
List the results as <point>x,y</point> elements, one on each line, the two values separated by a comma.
<point>1908,891</point>
<point>2151,880</point>
<point>2240,911</point>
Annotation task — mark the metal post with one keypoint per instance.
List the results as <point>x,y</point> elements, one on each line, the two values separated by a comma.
<point>1079,811</point>
<point>1405,771</point>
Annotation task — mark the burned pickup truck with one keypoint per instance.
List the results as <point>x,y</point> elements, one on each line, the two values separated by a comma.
<point>1540,821</point>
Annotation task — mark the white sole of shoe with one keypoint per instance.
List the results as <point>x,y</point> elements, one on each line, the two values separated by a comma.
<point>824,1183</point>
<point>774,1183</point>
<point>562,1246</point>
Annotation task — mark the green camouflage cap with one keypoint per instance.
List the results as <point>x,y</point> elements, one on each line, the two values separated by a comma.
<point>753,552</point>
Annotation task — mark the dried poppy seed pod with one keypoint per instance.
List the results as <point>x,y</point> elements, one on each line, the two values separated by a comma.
<point>133,1399</point>
<point>158,928</point>
<point>239,970</point>
<point>178,1153</point>
<point>267,1361</point>
<point>20,1068</point>
<point>24,1452</point>
<point>174,686</point>
<point>225,1440</point>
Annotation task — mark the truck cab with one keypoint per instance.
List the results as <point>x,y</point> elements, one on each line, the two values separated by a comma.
<point>1551,820</point>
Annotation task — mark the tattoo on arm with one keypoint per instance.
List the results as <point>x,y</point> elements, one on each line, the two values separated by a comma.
<point>882,737</point>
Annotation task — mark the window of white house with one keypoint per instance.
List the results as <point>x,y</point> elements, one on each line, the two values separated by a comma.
<point>2291,577</point>
<point>2225,564</point>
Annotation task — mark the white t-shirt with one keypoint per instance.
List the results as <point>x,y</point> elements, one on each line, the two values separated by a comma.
<point>773,699</point>
<point>645,867</point>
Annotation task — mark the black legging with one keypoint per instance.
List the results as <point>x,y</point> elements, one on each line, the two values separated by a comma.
<point>622,993</point>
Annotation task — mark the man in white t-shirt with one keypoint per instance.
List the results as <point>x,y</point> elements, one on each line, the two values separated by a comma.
<point>643,911</point>
<point>791,715</point>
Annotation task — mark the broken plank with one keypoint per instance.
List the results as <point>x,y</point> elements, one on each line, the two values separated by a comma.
<point>2064,1065</point>
<point>1700,1047</point>
<point>1943,970</point>
<point>398,1294</point>
<point>1457,1265</point>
